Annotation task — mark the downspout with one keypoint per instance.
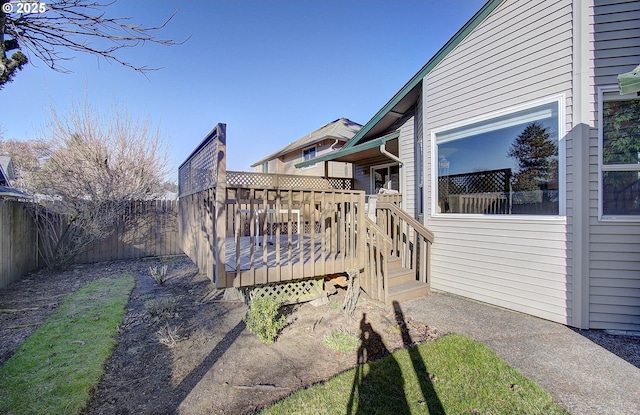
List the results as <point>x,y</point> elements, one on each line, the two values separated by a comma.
<point>383,150</point>
<point>331,147</point>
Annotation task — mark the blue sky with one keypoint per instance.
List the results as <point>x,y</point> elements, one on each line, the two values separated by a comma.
<point>272,70</point>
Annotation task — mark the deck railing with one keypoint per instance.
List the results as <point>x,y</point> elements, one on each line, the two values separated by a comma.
<point>410,240</point>
<point>287,234</point>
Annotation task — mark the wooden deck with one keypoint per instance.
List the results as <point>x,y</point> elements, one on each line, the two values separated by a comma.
<point>295,256</point>
<point>245,229</point>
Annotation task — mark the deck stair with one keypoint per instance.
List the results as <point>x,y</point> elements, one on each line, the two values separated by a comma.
<point>403,285</point>
<point>399,251</point>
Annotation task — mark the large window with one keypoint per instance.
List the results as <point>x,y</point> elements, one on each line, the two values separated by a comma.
<point>504,165</point>
<point>620,157</point>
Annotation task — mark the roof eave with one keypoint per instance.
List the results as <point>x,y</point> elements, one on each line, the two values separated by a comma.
<point>629,82</point>
<point>347,151</point>
<point>489,7</point>
<point>307,144</point>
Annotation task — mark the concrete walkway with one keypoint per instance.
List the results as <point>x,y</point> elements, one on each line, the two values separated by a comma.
<point>582,376</point>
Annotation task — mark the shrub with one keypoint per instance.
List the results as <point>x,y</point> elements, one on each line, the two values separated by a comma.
<point>159,276</point>
<point>264,318</point>
<point>162,307</point>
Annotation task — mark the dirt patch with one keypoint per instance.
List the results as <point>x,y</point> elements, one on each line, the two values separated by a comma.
<point>182,350</point>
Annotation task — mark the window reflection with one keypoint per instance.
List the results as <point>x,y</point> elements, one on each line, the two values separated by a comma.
<point>505,165</point>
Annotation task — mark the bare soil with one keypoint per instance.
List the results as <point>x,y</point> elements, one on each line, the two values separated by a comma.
<point>198,357</point>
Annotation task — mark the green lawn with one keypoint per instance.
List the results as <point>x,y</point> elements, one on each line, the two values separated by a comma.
<point>53,371</point>
<point>452,375</point>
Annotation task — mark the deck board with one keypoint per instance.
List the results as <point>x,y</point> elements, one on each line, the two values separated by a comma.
<point>300,252</point>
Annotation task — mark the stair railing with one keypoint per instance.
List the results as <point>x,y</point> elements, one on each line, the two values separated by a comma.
<point>410,240</point>
<point>378,249</point>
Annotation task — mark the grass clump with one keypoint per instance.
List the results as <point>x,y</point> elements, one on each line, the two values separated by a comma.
<point>264,318</point>
<point>452,375</point>
<point>54,370</point>
<point>161,307</point>
<point>341,341</point>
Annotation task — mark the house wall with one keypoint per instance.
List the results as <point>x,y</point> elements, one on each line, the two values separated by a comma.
<point>522,52</point>
<point>614,245</point>
<point>406,153</point>
<point>286,163</point>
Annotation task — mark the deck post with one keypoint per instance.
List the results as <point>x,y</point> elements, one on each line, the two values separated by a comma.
<point>361,241</point>
<point>220,206</point>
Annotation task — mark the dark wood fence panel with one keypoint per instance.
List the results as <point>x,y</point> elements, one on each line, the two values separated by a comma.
<point>18,251</point>
<point>148,228</point>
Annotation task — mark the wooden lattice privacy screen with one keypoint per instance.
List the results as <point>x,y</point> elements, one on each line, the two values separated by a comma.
<point>477,182</point>
<point>200,171</point>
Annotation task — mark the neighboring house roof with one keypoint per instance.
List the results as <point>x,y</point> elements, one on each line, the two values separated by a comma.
<point>11,192</point>
<point>405,99</point>
<point>6,171</point>
<point>342,129</point>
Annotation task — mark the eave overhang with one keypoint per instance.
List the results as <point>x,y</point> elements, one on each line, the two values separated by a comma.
<point>353,153</point>
<point>630,82</point>
<point>411,90</point>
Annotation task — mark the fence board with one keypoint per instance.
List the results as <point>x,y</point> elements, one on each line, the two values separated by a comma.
<point>17,244</point>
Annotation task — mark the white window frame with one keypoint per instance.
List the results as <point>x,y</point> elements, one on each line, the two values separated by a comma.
<point>315,151</point>
<point>562,162</point>
<point>387,166</point>
<point>602,91</point>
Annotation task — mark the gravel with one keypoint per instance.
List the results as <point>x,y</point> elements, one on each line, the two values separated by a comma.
<point>624,345</point>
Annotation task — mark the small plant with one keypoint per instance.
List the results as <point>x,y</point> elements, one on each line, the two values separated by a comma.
<point>159,276</point>
<point>341,341</point>
<point>146,297</point>
<point>334,305</point>
<point>168,335</point>
<point>162,307</point>
<point>264,318</point>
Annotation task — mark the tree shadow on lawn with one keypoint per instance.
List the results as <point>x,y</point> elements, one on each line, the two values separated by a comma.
<point>381,389</point>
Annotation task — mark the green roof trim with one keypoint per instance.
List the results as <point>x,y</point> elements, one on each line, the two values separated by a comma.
<point>489,7</point>
<point>377,142</point>
<point>629,82</point>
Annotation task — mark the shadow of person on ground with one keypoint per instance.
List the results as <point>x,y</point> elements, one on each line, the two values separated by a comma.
<point>424,377</point>
<point>379,384</point>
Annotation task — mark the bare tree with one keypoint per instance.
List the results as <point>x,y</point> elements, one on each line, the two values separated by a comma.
<point>68,25</point>
<point>99,163</point>
<point>27,157</point>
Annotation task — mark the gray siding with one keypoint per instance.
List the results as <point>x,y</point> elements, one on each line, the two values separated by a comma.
<point>520,53</point>
<point>406,153</point>
<point>614,247</point>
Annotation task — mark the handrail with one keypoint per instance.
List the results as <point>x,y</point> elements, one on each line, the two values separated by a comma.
<point>378,250</point>
<point>410,240</point>
<point>426,233</point>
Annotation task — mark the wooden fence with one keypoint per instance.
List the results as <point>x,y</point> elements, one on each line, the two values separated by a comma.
<point>18,249</point>
<point>148,228</point>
